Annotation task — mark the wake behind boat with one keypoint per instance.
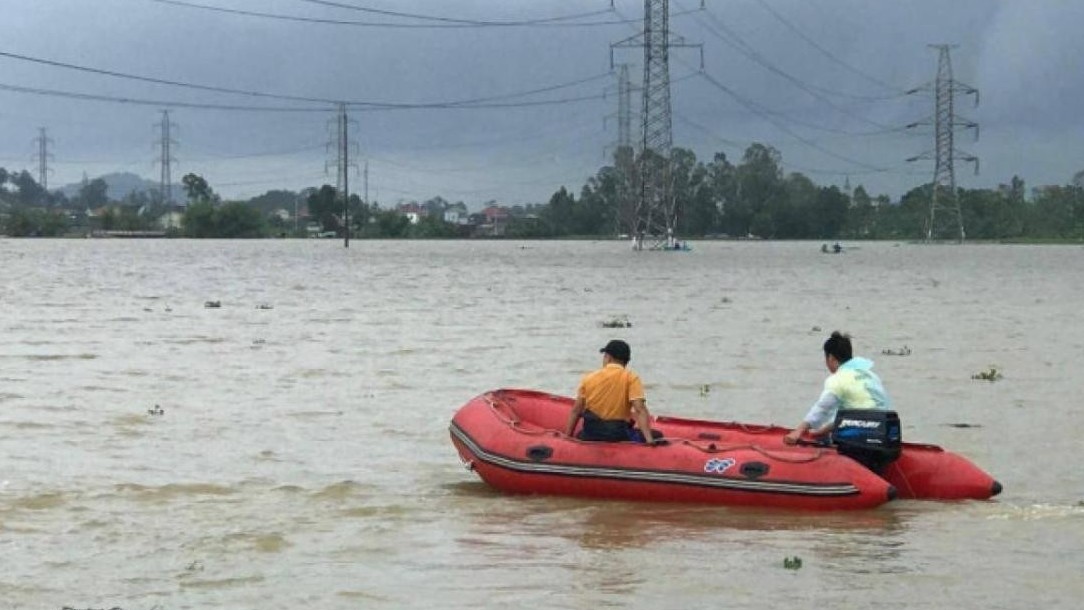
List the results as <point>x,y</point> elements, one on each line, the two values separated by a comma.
<point>512,439</point>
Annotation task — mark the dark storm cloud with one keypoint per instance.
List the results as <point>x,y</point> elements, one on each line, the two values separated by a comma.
<point>808,99</point>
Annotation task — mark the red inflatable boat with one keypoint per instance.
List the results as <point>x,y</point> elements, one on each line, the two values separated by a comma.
<point>514,440</point>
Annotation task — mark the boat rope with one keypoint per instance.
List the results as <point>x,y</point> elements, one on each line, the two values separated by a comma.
<point>713,448</point>
<point>513,421</point>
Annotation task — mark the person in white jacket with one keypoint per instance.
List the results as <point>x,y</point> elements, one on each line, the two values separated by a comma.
<point>851,385</point>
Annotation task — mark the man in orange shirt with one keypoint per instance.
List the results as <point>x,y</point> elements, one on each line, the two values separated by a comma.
<point>608,397</point>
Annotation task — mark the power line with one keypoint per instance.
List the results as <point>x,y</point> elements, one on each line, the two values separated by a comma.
<point>897,91</point>
<point>741,146</point>
<point>473,22</point>
<point>478,102</point>
<point>735,41</point>
<point>270,153</point>
<point>244,108</point>
<point>766,116</point>
<point>152,102</point>
<point>370,24</point>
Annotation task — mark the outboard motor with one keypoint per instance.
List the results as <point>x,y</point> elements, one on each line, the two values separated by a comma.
<point>870,437</point>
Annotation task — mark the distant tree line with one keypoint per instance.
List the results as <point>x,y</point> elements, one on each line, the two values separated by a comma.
<point>756,198</point>
<point>753,197</point>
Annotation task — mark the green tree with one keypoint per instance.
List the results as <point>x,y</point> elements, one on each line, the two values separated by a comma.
<point>702,211</point>
<point>1058,212</point>
<point>432,226</point>
<point>758,192</point>
<point>559,213</point>
<point>197,189</point>
<point>326,208</point>
<point>390,223</point>
<point>31,222</point>
<point>92,195</point>
<point>237,220</point>
<point>862,215</point>
<point>830,213</point>
<point>795,211</point>
<point>30,192</point>
<point>199,220</point>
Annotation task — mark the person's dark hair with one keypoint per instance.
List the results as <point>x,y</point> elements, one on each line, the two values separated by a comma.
<point>838,345</point>
<point>619,350</point>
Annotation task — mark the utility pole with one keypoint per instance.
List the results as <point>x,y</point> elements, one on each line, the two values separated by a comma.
<point>366,199</point>
<point>655,214</point>
<point>166,161</point>
<point>945,218</point>
<point>43,141</point>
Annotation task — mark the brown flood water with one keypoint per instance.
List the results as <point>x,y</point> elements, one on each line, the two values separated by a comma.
<point>300,457</point>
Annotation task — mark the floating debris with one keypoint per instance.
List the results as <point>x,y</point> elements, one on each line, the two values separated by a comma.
<point>195,566</point>
<point>622,322</point>
<point>259,341</point>
<point>964,425</point>
<point>815,329</point>
<point>792,563</point>
<point>903,351</point>
<point>212,304</point>
<point>157,410</point>
<point>705,390</point>
<point>264,306</point>
<point>991,375</point>
<point>725,300</point>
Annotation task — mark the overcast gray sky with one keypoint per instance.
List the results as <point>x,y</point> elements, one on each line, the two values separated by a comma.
<point>820,81</point>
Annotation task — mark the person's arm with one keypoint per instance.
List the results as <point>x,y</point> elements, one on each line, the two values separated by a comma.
<point>822,411</point>
<point>575,414</point>
<point>643,419</point>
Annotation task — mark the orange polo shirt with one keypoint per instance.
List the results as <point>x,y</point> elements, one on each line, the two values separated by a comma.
<point>609,390</point>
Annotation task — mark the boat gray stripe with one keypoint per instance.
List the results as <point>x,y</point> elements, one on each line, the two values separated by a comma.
<point>655,476</point>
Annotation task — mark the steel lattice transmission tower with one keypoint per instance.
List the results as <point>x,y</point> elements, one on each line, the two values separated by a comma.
<point>43,141</point>
<point>945,219</point>
<point>343,164</point>
<point>624,108</point>
<point>166,161</point>
<point>624,155</point>
<point>655,215</point>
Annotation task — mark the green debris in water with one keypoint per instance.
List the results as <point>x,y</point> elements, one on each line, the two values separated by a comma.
<point>792,563</point>
<point>989,375</point>
<point>621,322</point>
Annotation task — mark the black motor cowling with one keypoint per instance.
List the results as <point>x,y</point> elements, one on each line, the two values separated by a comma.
<point>871,437</point>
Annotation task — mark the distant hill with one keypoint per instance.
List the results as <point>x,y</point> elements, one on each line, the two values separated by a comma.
<point>122,183</point>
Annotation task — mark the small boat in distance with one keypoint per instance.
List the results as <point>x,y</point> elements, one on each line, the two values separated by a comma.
<point>513,440</point>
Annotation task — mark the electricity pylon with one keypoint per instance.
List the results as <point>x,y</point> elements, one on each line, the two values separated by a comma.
<point>166,161</point>
<point>655,216</point>
<point>342,166</point>
<point>945,218</point>
<point>624,108</point>
<point>43,141</point>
